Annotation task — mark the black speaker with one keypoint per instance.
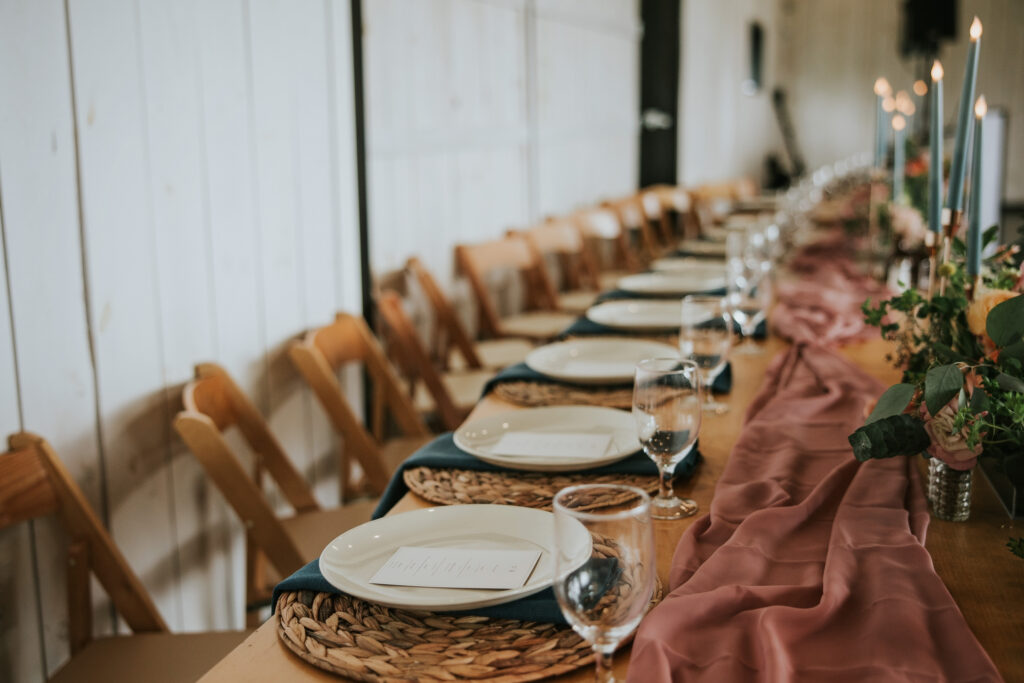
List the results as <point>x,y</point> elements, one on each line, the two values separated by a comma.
<point>926,23</point>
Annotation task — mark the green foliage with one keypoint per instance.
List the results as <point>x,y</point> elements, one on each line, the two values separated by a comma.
<point>893,402</point>
<point>891,436</point>
<point>1005,324</point>
<point>1016,546</point>
<point>941,384</point>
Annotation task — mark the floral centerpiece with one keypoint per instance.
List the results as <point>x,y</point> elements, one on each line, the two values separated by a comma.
<point>962,353</point>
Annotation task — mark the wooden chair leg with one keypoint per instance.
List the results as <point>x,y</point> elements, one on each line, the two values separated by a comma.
<point>79,596</point>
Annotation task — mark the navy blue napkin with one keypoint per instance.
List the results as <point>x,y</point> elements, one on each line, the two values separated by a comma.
<point>616,294</point>
<point>522,372</point>
<point>442,452</point>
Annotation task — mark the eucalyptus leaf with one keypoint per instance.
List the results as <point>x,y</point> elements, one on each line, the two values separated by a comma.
<point>941,384</point>
<point>1005,323</point>
<point>1010,383</point>
<point>1015,350</point>
<point>892,402</point>
<point>948,354</point>
<point>990,235</point>
<point>979,401</point>
<point>890,436</point>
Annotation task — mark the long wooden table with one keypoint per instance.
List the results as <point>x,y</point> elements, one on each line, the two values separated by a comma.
<point>985,579</point>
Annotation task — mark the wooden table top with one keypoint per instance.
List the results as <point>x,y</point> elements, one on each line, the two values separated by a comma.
<point>985,579</point>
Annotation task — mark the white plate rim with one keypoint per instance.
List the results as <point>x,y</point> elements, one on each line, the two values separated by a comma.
<point>630,283</point>
<point>652,349</point>
<point>625,303</point>
<point>457,519</point>
<point>540,464</point>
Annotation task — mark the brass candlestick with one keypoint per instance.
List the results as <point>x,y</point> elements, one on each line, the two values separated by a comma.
<point>951,227</point>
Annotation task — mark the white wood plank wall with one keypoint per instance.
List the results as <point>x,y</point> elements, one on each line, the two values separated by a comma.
<point>177,184</point>
<point>831,52</point>
<point>484,115</point>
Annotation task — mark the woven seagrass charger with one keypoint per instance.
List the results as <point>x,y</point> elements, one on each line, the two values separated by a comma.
<point>529,393</point>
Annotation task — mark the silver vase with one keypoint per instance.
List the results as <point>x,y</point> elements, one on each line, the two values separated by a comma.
<point>949,491</point>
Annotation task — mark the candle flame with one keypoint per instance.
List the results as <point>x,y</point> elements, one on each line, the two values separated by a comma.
<point>981,107</point>
<point>920,88</point>
<point>898,122</point>
<point>882,86</point>
<point>937,71</point>
<point>975,29</point>
<point>888,104</point>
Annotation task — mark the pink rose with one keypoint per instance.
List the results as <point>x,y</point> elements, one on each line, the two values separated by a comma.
<point>948,445</point>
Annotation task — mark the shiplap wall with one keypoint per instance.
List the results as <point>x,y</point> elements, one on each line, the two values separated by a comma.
<point>176,185</point>
<point>724,132</point>
<point>484,115</point>
<point>831,52</point>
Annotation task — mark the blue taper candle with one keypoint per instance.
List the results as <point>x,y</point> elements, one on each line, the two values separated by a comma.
<point>882,89</point>
<point>974,228</point>
<point>958,168</point>
<point>899,160</point>
<point>935,152</point>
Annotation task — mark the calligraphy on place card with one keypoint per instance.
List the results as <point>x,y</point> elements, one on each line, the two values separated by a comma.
<point>545,444</point>
<point>457,568</point>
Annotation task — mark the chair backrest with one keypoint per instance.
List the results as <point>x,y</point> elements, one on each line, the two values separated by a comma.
<point>212,404</point>
<point>320,355</point>
<point>564,239</point>
<point>677,200</point>
<point>414,358</point>
<point>34,483</point>
<point>448,328</point>
<point>633,217</point>
<point>656,212</point>
<point>603,223</point>
<point>511,252</point>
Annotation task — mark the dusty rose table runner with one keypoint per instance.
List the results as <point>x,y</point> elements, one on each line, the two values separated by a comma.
<point>824,304</point>
<point>809,566</point>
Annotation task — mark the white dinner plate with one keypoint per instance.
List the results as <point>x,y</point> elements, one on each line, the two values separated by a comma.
<point>693,266</point>
<point>671,283</point>
<point>349,561</point>
<point>595,361</point>
<point>479,437</point>
<point>703,247</point>
<point>641,315</point>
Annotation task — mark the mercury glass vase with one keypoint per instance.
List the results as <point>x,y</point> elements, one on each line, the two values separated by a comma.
<point>949,491</point>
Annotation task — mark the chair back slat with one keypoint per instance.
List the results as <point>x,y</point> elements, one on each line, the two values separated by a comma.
<point>445,318</point>
<point>25,489</point>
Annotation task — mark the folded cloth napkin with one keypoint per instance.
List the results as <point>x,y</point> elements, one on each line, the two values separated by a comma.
<point>584,326</point>
<point>442,452</point>
<point>809,566</point>
<point>522,372</point>
<point>616,294</point>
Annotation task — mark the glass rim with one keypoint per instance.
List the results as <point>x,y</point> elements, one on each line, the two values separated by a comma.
<point>611,513</point>
<point>685,362</point>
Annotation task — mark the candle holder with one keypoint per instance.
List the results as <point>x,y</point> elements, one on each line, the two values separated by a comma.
<point>950,228</point>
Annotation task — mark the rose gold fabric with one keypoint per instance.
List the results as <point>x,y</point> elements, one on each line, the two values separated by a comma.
<point>824,305</point>
<point>809,566</point>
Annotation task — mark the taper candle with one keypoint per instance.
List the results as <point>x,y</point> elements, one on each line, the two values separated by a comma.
<point>882,89</point>
<point>935,152</point>
<point>898,158</point>
<point>974,228</point>
<point>958,168</point>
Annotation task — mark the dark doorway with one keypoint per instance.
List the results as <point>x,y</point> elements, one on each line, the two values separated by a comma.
<point>659,91</point>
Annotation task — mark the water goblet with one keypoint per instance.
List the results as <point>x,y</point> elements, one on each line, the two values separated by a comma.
<point>705,337</point>
<point>666,407</point>
<point>749,307</point>
<point>605,598</point>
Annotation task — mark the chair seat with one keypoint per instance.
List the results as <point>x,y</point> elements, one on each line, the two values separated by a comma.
<point>150,657</point>
<point>464,388</point>
<point>610,279</point>
<point>576,301</point>
<point>539,325</point>
<point>495,354</point>
<point>312,531</point>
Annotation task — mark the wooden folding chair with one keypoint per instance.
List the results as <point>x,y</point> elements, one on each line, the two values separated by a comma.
<point>452,343</point>
<point>678,207</point>
<point>562,239</point>
<point>34,483</point>
<point>541,320</point>
<point>603,227</point>
<point>449,395</point>
<point>213,403</point>
<point>319,356</point>
<point>633,217</point>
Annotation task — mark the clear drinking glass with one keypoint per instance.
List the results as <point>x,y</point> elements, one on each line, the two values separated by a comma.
<point>605,598</point>
<point>666,407</point>
<point>705,337</point>
<point>749,307</point>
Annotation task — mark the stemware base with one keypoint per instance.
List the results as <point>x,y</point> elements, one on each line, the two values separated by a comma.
<point>748,348</point>
<point>673,508</point>
<point>714,408</point>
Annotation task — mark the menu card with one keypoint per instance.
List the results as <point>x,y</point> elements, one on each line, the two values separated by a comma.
<point>552,445</point>
<point>457,568</point>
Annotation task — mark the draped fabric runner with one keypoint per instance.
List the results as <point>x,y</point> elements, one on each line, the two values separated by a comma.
<point>824,305</point>
<point>810,566</point>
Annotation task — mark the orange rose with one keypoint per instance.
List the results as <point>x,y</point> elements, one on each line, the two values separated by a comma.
<point>984,302</point>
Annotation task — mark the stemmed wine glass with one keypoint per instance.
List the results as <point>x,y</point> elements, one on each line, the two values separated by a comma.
<point>605,598</point>
<point>748,307</point>
<point>705,337</point>
<point>666,407</point>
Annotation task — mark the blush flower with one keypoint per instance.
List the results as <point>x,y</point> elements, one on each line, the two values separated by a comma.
<point>948,444</point>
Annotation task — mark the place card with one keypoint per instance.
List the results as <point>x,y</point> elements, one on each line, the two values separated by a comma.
<point>457,568</point>
<point>579,445</point>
